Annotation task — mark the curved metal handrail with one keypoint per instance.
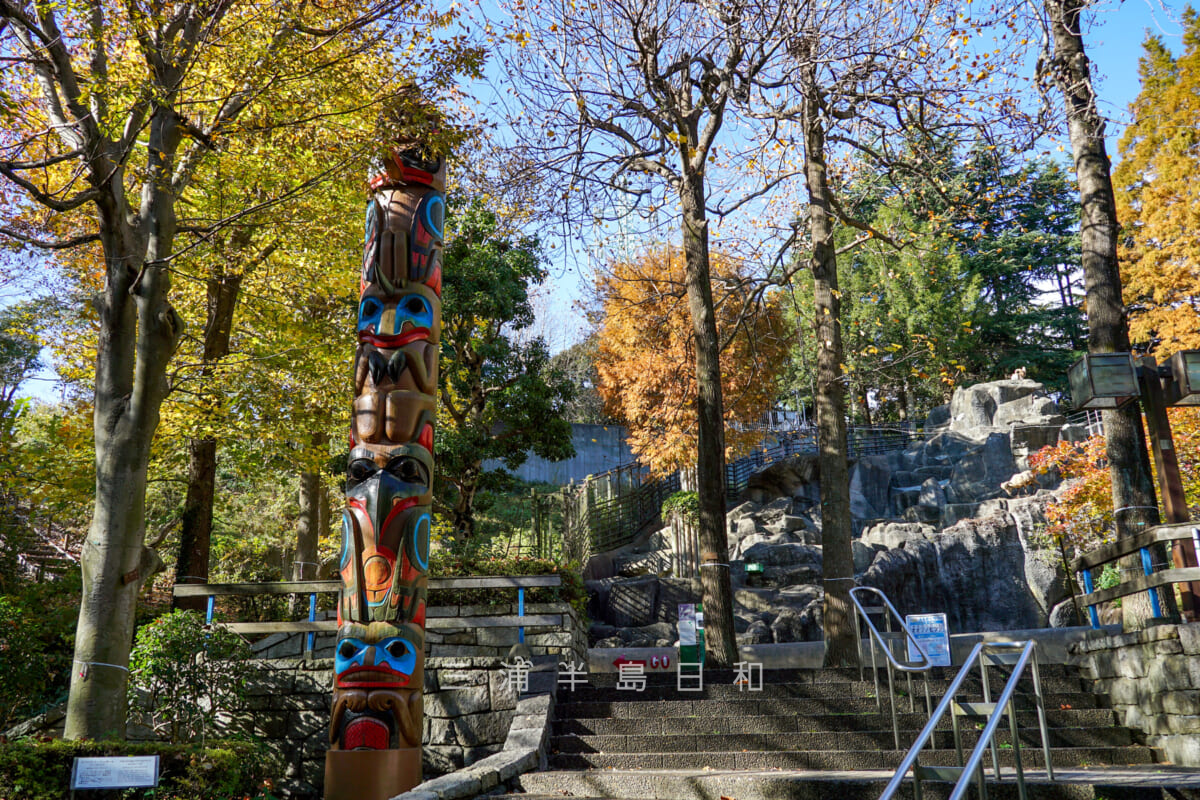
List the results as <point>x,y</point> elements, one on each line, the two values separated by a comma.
<point>923,666</point>
<point>908,634</point>
<point>1004,701</point>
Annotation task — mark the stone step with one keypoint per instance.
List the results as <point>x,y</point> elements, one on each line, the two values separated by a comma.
<point>833,759</point>
<point>726,691</point>
<point>826,740</point>
<point>1075,784</point>
<point>750,705</point>
<point>792,723</point>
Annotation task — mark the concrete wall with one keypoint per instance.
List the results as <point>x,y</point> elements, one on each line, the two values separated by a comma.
<point>1153,680</point>
<point>598,448</point>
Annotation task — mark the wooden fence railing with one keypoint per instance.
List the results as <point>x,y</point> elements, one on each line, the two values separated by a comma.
<point>1149,581</point>
<point>312,626</point>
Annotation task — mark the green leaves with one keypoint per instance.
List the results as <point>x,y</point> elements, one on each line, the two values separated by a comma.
<point>183,674</point>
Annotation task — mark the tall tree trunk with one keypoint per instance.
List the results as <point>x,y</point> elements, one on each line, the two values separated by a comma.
<point>841,646</point>
<point>1108,329</point>
<point>195,537</point>
<point>311,525</point>
<point>720,645</point>
<point>139,331</point>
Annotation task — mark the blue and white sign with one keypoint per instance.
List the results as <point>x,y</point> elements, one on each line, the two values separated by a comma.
<point>114,772</point>
<point>934,636</point>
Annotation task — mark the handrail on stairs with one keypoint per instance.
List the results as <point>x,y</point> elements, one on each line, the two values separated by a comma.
<point>923,665</point>
<point>1023,653</point>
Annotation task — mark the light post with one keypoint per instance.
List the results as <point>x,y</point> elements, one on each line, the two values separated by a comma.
<point>1109,380</point>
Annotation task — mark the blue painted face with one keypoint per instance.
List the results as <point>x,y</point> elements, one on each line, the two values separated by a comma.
<point>385,320</point>
<point>394,653</point>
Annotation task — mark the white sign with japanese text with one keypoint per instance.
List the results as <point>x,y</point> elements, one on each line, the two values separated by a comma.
<point>933,634</point>
<point>114,772</point>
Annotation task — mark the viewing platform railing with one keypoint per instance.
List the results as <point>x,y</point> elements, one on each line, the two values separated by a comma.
<point>312,626</point>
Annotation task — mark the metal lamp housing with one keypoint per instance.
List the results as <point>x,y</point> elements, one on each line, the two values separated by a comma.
<point>1185,369</point>
<point>1104,380</point>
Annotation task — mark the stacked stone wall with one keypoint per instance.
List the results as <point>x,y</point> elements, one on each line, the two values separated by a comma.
<point>1153,680</point>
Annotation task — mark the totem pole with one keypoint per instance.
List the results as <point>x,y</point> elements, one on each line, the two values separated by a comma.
<point>375,730</point>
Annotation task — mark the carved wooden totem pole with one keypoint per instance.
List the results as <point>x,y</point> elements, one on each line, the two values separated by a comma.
<point>375,731</point>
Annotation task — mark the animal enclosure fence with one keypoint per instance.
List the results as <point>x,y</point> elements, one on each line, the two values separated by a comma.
<point>611,509</point>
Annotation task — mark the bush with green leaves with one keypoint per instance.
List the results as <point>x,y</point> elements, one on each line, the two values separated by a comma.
<point>226,770</point>
<point>37,639</point>
<point>683,504</point>
<point>182,674</point>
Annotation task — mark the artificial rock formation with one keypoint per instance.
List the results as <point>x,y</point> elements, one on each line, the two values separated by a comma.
<point>375,731</point>
<point>948,523</point>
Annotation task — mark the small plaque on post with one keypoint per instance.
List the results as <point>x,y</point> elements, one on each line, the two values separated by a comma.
<point>114,772</point>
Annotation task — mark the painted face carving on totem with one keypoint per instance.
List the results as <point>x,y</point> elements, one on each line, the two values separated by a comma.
<point>388,518</point>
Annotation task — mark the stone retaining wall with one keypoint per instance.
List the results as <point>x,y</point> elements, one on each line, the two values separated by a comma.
<point>469,709</point>
<point>1153,680</point>
<point>478,642</point>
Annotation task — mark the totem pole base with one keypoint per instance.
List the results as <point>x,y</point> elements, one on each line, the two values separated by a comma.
<point>371,774</point>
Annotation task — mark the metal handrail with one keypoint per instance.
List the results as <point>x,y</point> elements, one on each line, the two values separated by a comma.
<point>1004,704</point>
<point>892,664</point>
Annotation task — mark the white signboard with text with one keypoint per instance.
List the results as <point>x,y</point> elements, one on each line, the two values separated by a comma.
<point>933,634</point>
<point>114,772</point>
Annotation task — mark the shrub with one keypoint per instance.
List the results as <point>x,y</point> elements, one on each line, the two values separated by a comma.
<point>685,504</point>
<point>182,674</point>
<point>227,770</point>
<point>37,637</point>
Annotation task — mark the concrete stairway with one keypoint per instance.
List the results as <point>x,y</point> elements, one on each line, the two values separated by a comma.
<point>806,734</point>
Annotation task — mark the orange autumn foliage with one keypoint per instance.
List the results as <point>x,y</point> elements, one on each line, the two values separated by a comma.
<point>1082,518</point>
<point>647,361</point>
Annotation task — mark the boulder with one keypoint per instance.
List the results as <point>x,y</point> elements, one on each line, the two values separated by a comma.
<point>932,495</point>
<point>1063,615</point>
<point>783,478</point>
<point>863,556</point>
<point>801,623</point>
<point>758,632</point>
<point>870,479</point>
<point>939,416</point>
<point>975,407</point>
<point>979,472</point>
<point>1032,409</point>
<point>784,555</point>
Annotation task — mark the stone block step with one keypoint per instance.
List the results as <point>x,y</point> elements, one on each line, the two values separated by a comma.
<point>607,691</point>
<point>831,759</point>
<point>1075,784</point>
<point>793,723</point>
<point>828,740</point>
<point>750,705</point>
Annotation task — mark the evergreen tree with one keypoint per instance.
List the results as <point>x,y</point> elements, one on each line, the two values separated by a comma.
<point>975,282</point>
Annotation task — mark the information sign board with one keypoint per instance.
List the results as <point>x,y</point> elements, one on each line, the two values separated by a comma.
<point>114,772</point>
<point>933,634</point>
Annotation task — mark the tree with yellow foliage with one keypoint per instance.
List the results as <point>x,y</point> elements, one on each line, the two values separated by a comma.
<point>1158,197</point>
<point>646,354</point>
<point>113,114</point>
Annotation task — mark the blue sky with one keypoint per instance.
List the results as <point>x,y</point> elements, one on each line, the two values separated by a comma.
<point>1113,39</point>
